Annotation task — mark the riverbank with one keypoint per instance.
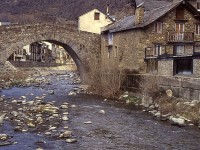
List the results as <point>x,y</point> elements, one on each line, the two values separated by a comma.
<point>94,122</point>
<point>166,107</point>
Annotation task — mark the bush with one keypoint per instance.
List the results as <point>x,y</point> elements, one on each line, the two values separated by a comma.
<point>106,83</point>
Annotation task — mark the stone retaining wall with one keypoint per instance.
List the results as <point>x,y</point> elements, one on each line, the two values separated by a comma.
<point>181,86</point>
<point>34,64</point>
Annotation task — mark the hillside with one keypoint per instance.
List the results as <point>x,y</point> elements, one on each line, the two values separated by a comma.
<point>25,11</point>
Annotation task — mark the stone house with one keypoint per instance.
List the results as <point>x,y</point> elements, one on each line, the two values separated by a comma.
<point>93,21</point>
<point>164,40</point>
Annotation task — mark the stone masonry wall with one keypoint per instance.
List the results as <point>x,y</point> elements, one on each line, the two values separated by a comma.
<point>82,46</point>
<point>165,67</point>
<point>184,87</point>
<point>129,47</point>
<point>196,67</point>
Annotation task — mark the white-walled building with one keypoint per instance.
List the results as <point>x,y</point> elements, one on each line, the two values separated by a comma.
<point>93,21</point>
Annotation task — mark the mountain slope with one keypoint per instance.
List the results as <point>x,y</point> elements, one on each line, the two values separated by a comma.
<point>25,11</point>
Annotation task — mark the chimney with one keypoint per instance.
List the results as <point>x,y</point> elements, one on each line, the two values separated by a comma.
<point>139,14</point>
<point>107,10</point>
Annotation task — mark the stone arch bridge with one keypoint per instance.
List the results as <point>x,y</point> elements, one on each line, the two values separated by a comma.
<point>83,47</point>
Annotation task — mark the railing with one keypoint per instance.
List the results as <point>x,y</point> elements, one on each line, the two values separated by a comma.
<point>180,37</point>
<point>170,51</point>
<point>162,50</point>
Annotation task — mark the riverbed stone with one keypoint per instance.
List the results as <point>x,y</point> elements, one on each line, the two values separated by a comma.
<point>71,140</point>
<point>158,114</point>
<point>47,133</point>
<point>65,113</point>
<point>64,106</point>
<point>88,122</point>
<point>169,93</point>
<point>39,120</point>
<point>23,97</point>
<point>14,101</point>
<point>51,92</point>
<point>72,93</point>
<point>102,112</point>
<point>65,118</point>
<point>177,121</point>
<point>31,125</point>
<point>66,134</point>
<point>52,128</point>
<point>3,137</point>
<point>14,113</point>
<point>73,106</point>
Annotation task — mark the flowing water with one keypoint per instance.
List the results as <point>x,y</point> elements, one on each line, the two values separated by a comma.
<point>120,128</point>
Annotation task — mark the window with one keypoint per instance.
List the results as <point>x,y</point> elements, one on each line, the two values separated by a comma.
<point>158,50</point>
<point>197,29</point>
<point>180,28</point>
<point>115,51</point>
<point>198,6</point>
<point>109,52</point>
<point>180,13</point>
<point>158,27</point>
<point>179,50</point>
<point>110,38</point>
<point>96,16</point>
<point>183,66</point>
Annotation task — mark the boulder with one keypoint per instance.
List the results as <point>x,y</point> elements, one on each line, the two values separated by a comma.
<point>177,121</point>
<point>71,140</point>
<point>3,137</point>
<point>169,93</point>
<point>102,112</point>
<point>72,93</point>
<point>65,118</point>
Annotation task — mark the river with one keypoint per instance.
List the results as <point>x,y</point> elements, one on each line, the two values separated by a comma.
<point>121,127</point>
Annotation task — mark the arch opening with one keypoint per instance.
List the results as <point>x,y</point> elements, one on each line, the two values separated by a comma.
<point>68,49</point>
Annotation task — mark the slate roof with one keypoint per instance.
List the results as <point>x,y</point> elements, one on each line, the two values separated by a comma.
<point>128,22</point>
<point>152,4</point>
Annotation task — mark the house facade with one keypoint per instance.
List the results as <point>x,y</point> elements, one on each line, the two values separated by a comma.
<point>93,21</point>
<point>164,40</point>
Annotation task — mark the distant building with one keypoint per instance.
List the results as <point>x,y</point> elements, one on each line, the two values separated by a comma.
<point>42,52</point>
<point>93,21</point>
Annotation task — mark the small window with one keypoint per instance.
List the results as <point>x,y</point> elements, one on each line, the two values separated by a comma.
<point>158,27</point>
<point>197,29</point>
<point>183,66</point>
<point>180,50</point>
<point>115,51</point>
<point>110,38</point>
<point>96,16</point>
<point>158,50</point>
<point>198,6</point>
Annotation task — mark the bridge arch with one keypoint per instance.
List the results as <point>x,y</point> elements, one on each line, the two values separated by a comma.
<point>81,46</point>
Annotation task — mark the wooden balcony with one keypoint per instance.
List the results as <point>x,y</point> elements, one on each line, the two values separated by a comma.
<point>162,51</point>
<point>169,51</point>
<point>180,37</point>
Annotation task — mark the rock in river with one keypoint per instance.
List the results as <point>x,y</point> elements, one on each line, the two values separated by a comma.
<point>65,118</point>
<point>66,134</point>
<point>88,122</point>
<point>102,112</point>
<point>3,137</point>
<point>71,140</point>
